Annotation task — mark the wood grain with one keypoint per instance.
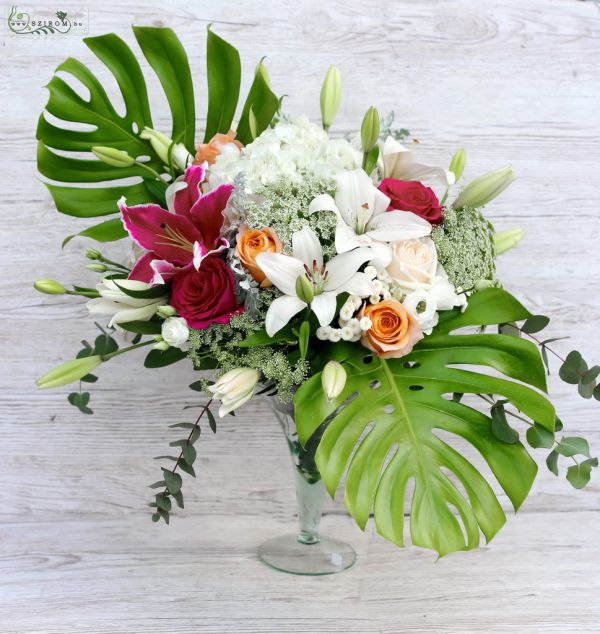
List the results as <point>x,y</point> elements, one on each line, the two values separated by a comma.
<point>510,81</point>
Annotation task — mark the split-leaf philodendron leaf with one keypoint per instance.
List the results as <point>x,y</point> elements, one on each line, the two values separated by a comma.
<point>89,188</point>
<point>382,430</point>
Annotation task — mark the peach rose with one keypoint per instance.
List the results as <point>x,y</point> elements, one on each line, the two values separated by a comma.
<point>251,242</point>
<point>393,331</point>
<point>209,151</point>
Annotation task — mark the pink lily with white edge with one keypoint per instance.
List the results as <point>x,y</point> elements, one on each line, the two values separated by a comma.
<point>181,237</point>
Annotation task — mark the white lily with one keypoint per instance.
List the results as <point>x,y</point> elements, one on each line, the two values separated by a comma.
<point>399,162</point>
<point>363,219</point>
<point>122,307</point>
<point>305,280</point>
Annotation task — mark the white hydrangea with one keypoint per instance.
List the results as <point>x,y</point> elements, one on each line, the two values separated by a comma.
<point>288,149</point>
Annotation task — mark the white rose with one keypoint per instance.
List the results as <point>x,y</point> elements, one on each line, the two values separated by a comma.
<point>175,332</point>
<point>414,263</point>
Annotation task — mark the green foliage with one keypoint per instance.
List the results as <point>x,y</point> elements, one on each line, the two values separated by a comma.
<point>465,247</point>
<point>172,481</point>
<point>160,359</point>
<point>382,428</point>
<point>166,55</point>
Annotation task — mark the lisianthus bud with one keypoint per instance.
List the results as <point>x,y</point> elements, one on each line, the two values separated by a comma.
<point>331,92</point>
<point>166,311</point>
<point>93,254</point>
<point>369,130</point>
<point>485,188</point>
<point>161,345</point>
<point>112,156</point>
<point>235,388</point>
<point>333,379</point>
<point>506,240</point>
<point>49,287</point>
<point>457,164</point>
<point>304,289</point>
<point>161,144</point>
<point>97,268</point>
<point>68,372</point>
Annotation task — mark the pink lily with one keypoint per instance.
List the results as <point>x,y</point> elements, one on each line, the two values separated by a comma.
<point>182,237</point>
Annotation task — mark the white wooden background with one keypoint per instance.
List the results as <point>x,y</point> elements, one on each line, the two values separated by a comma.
<point>510,80</point>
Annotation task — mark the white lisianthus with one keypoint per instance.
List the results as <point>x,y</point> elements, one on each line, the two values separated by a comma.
<point>176,332</point>
<point>122,307</point>
<point>290,149</point>
<point>414,262</point>
<point>235,388</point>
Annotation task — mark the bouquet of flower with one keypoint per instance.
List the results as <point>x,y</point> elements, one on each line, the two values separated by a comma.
<point>343,276</point>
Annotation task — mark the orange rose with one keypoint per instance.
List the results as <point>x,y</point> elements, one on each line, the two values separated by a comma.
<point>209,151</point>
<point>250,243</point>
<point>393,331</point>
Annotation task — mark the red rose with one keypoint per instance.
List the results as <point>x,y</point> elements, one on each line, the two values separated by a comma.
<point>206,296</point>
<point>413,196</point>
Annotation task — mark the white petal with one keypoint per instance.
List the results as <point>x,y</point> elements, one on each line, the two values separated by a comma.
<point>134,314</point>
<point>354,191</point>
<point>323,202</point>
<point>281,311</point>
<point>383,255</point>
<point>282,270</point>
<point>323,306</point>
<point>172,189</point>
<point>342,267</point>
<point>359,284</point>
<point>346,238</point>
<point>307,248</point>
<point>394,226</point>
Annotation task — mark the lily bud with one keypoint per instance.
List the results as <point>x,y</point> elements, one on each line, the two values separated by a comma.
<point>49,287</point>
<point>304,289</point>
<point>166,311</point>
<point>93,254</point>
<point>69,372</point>
<point>331,93</point>
<point>369,130</point>
<point>485,188</point>
<point>235,388</point>
<point>112,156</point>
<point>161,144</point>
<point>333,379</point>
<point>457,164</point>
<point>506,240</point>
<point>97,268</point>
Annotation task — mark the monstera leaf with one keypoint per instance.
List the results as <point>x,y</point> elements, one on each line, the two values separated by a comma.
<point>382,429</point>
<point>91,188</point>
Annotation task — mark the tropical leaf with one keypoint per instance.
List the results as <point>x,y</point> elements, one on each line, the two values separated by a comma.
<point>75,197</point>
<point>383,429</point>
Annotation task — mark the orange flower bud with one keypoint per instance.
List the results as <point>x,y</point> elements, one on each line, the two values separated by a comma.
<point>209,151</point>
<point>393,331</point>
<point>250,243</point>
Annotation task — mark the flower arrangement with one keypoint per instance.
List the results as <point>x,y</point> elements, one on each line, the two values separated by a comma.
<point>343,276</point>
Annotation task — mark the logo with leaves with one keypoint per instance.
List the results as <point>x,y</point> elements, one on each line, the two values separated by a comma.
<point>22,23</point>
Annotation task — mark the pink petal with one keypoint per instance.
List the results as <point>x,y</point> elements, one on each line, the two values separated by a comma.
<point>200,251</point>
<point>207,214</point>
<point>170,236</point>
<point>164,271</point>
<point>186,198</point>
<point>142,270</point>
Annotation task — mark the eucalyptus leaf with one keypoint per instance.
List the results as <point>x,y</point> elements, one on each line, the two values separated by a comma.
<point>538,437</point>
<point>500,427</point>
<point>184,466</point>
<point>552,462</point>
<point>173,481</point>
<point>211,421</point>
<point>535,323</point>
<point>579,475</point>
<point>572,446</point>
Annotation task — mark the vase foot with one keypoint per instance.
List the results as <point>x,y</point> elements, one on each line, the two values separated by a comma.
<point>325,557</point>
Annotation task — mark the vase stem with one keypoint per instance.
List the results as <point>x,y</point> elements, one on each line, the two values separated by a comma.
<point>310,497</point>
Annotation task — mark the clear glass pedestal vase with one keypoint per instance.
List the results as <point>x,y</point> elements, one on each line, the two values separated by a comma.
<point>306,552</point>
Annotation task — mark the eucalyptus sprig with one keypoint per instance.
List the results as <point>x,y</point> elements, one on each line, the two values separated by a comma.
<point>172,481</point>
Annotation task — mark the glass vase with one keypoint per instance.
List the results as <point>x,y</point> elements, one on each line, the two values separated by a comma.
<point>306,552</point>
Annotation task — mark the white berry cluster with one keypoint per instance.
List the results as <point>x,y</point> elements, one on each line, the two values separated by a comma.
<point>381,284</point>
<point>350,327</point>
